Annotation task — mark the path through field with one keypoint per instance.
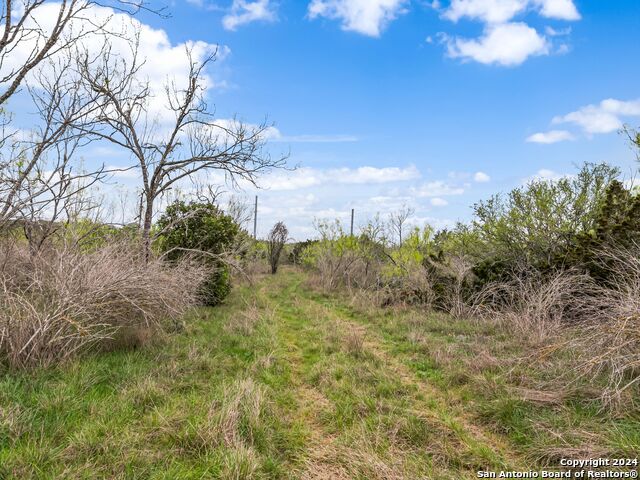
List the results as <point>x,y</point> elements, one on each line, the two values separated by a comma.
<point>368,414</point>
<point>281,382</point>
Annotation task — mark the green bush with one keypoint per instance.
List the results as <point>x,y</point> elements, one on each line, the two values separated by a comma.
<point>204,231</point>
<point>536,226</point>
<point>296,253</point>
<point>216,288</point>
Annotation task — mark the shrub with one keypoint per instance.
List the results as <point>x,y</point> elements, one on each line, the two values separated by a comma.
<point>608,340</point>
<point>203,231</point>
<point>276,241</point>
<point>537,224</point>
<point>346,260</point>
<point>536,306</point>
<point>62,301</point>
<point>617,226</point>
<point>296,255</point>
<point>404,273</point>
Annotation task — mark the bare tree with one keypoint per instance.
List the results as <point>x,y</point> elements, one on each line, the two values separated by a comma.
<point>39,177</point>
<point>276,240</point>
<point>38,40</point>
<point>32,31</point>
<point>398,219</point>
<point>240,210</point>
<point>191,141</point>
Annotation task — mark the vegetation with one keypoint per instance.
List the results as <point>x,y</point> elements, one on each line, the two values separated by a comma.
<point>72,278</point>
<point>535,225</point>
<point>204,233</point>
<point>276,240</point>
<point>395,352</point>
<point>553,261</point>
<point>62,301</point>
<point>286,382</point>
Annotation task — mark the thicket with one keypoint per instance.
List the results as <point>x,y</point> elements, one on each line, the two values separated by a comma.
<point>556,262</point>
<point>202,231</point>
<point>70,287</point>
<point>63,300</point>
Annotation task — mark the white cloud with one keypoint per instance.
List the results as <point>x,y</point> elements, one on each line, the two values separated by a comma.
<point>552,32</point>
<point>605,117</point>
<point>386,199</point>
<point>374,175</point>
<point>311,177</point>
<point>504,41</point>
<point>500,11</point>
<point>437,188</point>
<point>481,177</point>
<point>506,44</point>
<point>160,59</point>
<point>490,11</point>
<point>559,9</point>
<point>368,17</point>
<point>274,135</point>
<point>548,174</point>
<point>243,12</point>
<point>439,202</point>
<point>552,136</point>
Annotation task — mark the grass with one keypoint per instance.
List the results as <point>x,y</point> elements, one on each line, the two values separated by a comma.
<point>285,382</point>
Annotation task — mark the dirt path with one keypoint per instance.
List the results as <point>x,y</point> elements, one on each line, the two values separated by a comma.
<point>367,413</point>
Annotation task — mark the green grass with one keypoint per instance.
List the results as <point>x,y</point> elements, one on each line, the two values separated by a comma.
<point>283,382</point>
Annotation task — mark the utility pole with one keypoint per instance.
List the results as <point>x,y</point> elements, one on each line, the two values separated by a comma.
<point>255,220</point>
<point>352,212</point>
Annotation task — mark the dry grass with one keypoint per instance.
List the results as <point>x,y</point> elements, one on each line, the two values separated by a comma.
<point>61,301</point>
<point>592,330</point>
<point>233,420</point>
<point>247,320</point>
<point>607,343</point>
<point>459,269</point>
<point>240,464</point>
<point>354,341</point>
<point>341,337</point>
<point>533,307</point>
<point>540,397</point>
<point>358,455</point>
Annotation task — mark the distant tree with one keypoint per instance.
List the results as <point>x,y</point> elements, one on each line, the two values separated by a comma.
<point>202,230</point>
<point>617,228</point>
<point>398,219</point>
<point>275,243</point>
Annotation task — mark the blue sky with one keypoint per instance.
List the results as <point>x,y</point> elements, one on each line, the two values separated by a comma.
<point>433,104</point>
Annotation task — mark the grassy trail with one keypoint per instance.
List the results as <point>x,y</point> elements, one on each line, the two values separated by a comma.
<point>371,416</point>
<point>281,382</point>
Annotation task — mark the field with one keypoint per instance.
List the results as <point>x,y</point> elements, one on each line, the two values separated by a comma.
<point>324,239</point>
<point>285,382</point>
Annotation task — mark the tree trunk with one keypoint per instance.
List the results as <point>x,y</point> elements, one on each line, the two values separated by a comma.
<point>146,229</point>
